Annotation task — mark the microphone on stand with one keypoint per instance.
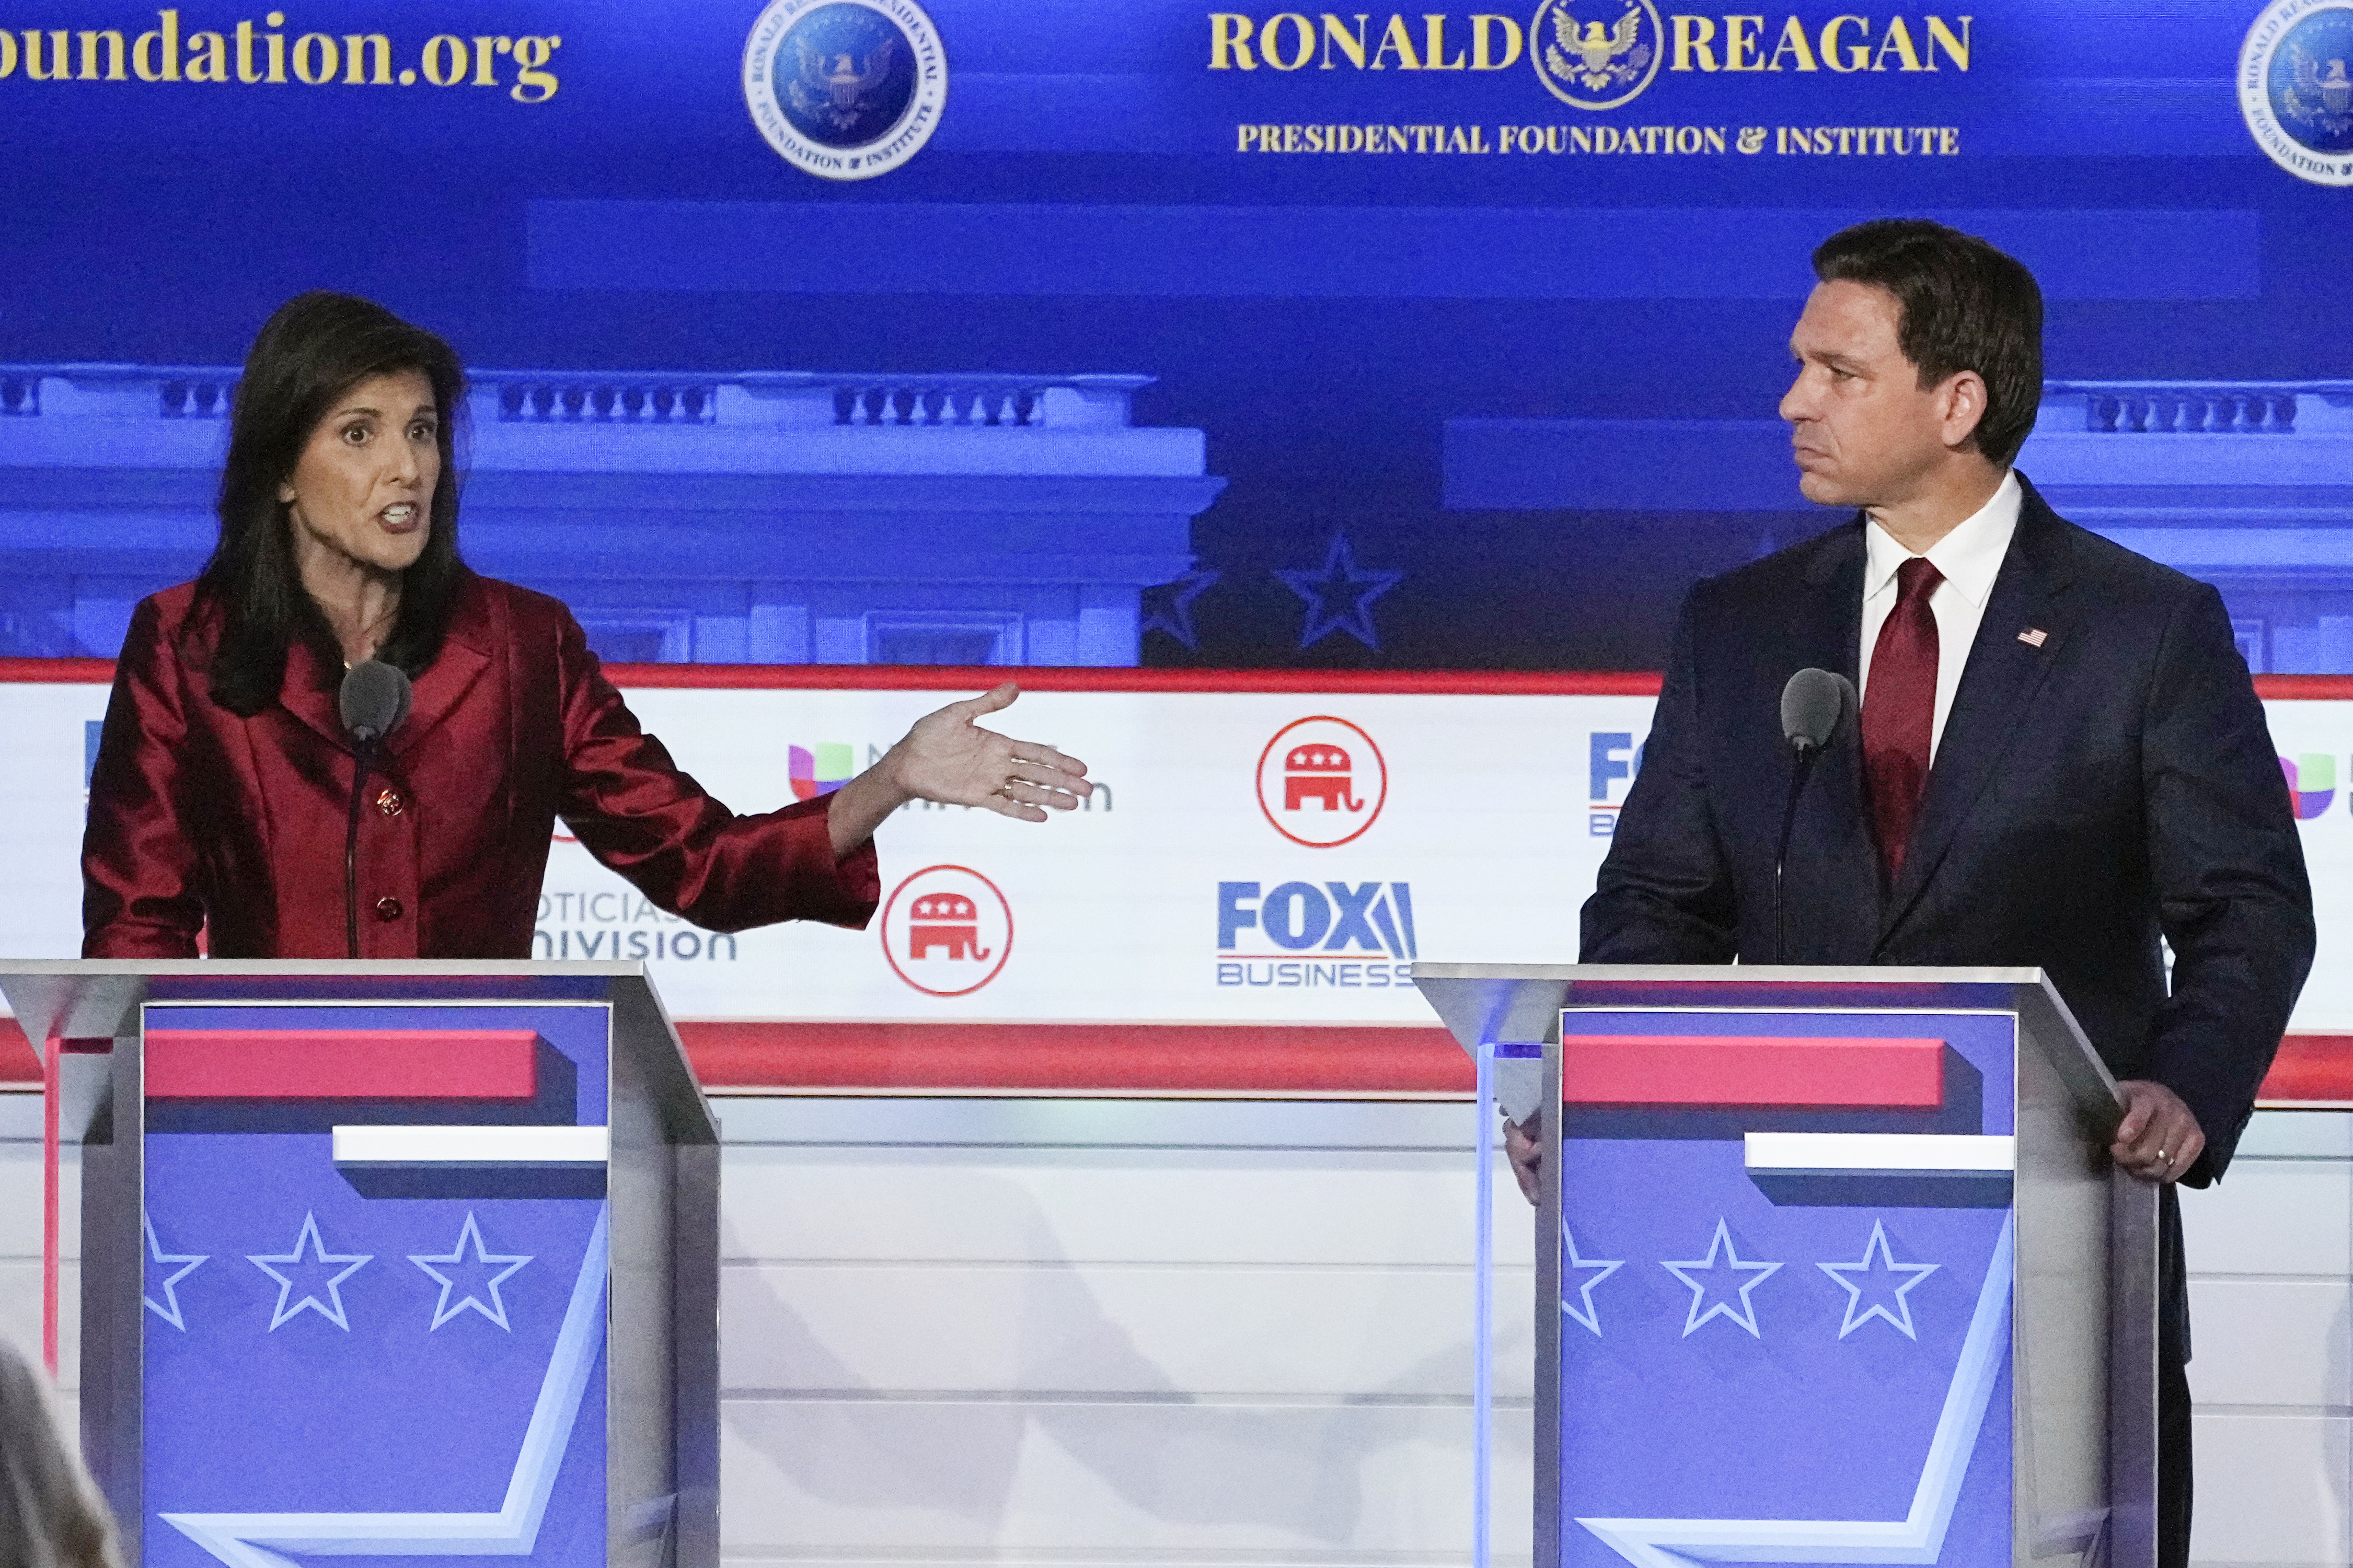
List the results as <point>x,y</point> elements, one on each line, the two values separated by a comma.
<point>1817,706</point>
<point>374,700</point>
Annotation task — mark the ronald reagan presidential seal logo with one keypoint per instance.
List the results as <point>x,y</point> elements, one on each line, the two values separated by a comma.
<point>2295,88</point>
<point>1596,54</point>
<point>846,89</point>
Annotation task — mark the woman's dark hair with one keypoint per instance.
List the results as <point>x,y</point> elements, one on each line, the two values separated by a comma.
<point>1962,305</point>
<point>315,350</point>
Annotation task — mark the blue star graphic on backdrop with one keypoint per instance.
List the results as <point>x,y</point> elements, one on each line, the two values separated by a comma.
<point>168,1309</point>
<point>482,1259</point>
<point>1884,1269</point>
<point>331,1309</point>
<point>1174,612</point>
<point>1342,585</point>
<point>1745,1314</point>
<point>1601,1268</point>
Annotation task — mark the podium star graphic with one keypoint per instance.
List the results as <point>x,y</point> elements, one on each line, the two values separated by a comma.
<point>1885,1267</point>
<point>1601,1268</point>
<point>1745,1315</point>
<point>497,1309</point>
<point>1340,583</point>
<point>169,1308</point>
<point>308,1240</point>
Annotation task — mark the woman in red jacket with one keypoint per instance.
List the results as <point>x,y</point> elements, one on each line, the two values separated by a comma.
<point>218,803</point>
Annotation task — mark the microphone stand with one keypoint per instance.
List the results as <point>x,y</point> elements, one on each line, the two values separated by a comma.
<point>1807,754</point>
<point>363,757</point>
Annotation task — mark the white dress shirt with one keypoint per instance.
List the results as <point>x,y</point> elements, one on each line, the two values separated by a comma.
<point>1970,558</point>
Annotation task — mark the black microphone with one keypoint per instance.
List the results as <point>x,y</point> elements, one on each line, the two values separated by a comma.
<point>374,700</point>
<point>1817,707</point>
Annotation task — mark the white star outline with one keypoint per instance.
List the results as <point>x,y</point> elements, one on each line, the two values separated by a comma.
<point>1747,1316</point>
<point>247,1540</point>
<point>497,1310</point>
<point>188,1261</point>
<point>309,1235</point>
<point>1918,1536</point>
<point>1878,1244</point>
<point>1590,1316</point>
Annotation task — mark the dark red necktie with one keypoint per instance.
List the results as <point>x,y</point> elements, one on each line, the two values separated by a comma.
<point>1899,711</point>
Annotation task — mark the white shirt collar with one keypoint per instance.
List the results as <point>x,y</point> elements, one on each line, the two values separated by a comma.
<point>1969,557</point>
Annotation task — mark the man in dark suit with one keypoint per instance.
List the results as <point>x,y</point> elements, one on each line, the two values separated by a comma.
<point>2061,757</point>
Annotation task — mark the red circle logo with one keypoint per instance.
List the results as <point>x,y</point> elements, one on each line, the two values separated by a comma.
<point>1321,782</point>
<point>947,930</point>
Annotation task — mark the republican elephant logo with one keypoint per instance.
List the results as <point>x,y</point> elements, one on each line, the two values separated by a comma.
<point>1319,774</point>
<point>945,921</point>
<point>1321,781</point>
<point>947,930</point>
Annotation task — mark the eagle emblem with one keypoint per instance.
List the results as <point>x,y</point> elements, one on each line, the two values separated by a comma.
<point>1601,57</point>
<point>831,85</point>
<point>2319,97</point>
<point>1595,64</point>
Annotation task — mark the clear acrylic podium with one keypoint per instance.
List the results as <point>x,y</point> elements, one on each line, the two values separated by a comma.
<point>1843,1273</point>
<point>387,1260</point>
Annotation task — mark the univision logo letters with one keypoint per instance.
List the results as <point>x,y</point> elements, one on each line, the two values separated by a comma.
<point>1262,933</point>
<point>2311,782</point>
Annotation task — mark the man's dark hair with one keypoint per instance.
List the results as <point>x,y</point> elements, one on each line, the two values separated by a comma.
<point>316,348</point>
<point>1960,305</point>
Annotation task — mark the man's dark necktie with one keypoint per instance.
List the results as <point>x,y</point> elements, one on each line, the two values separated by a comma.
<point>1899,711</point>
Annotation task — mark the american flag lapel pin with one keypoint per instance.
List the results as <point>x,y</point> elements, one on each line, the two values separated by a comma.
<point>2034,636</point>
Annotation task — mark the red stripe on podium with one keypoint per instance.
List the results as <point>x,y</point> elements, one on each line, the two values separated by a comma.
<point>342,1063</point>
<point>1678,1069</point>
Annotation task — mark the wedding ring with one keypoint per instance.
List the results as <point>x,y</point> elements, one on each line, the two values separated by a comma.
<point>2164,1158</point>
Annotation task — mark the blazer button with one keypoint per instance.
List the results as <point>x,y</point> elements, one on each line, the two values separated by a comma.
<point>387,909</point>
<point>390,804</point>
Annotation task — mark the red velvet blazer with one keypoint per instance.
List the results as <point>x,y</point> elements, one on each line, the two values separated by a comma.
<point>202,820</point>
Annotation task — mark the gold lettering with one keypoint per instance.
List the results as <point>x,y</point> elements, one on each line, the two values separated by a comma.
<point>7,55</point>
<point>276,48</point>
<point>1693,38</point>
<point>1229,35</point>
<point>316,59</point>
<point>485,73</point>
<point>1272,52</point>
<point>207,58</point>
<point>59,68</point>
<point>1483,57</point>
<point>1395,40</point>
<point>1793,41</point>
<point>114,71</point>
<point>379,54</point>
<point>1433,23</point>
<point>534,84</point>
<point>1955,49</point>
<point>1352,45</point>
<point>445,59</point>
<point>145,48</point>
<point>245,71</point>
<point>1898,38</point>
<point>1857,55</point>
<point>1742,39</point>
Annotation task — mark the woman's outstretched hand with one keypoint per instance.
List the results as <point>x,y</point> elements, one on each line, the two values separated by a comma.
<point>948,758</point>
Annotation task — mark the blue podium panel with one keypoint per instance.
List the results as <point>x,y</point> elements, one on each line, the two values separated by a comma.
<point>1785,1286</point>
<point>375,1292</point>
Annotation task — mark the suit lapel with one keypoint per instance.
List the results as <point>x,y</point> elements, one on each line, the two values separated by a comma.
<point>1997,686</point>
<point>312,696</point>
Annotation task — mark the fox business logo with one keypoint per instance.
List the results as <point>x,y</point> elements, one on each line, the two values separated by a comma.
<point>1615,760</point>
<point>1313,928</point>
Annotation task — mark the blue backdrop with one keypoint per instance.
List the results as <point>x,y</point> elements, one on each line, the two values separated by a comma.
<point>1489,394</point>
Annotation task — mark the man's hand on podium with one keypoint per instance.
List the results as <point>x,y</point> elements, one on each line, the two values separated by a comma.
<point>2159,1138</point>
<point>1525,1147</point>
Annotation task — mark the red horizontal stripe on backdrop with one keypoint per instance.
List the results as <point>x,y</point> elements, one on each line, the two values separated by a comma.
<point>1302,1061</point>
<point>342,1063</point>
<point>951,677</point>
<point>1711,1069</point>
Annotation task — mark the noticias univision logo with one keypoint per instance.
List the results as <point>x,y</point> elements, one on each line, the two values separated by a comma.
<point>2311,782</point>
<point>819,772</point>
